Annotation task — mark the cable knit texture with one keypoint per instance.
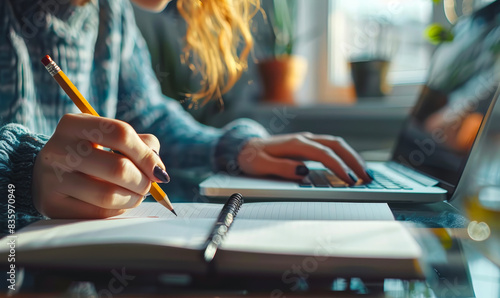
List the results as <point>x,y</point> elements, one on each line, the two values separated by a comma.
<point>101,50</point>
<point>18,150</point>
<point>231,143</point>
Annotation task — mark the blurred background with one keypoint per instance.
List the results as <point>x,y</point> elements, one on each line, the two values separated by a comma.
<point>344,67</point>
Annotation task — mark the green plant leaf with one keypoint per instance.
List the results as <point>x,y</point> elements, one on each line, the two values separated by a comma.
<point>283,23</point>
<point>437,33</point>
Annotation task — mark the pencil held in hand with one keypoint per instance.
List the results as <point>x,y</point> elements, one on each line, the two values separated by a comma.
<point>85,107</point>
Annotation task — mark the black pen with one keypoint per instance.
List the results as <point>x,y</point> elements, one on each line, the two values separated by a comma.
<point>222,225</point>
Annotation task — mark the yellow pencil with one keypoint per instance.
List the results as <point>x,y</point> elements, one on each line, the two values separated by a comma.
<point>85,107</point>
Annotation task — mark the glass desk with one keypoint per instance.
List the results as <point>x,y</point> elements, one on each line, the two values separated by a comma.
<point>454,267</point>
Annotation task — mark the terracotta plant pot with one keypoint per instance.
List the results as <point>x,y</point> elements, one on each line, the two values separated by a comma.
<point>281,78</point>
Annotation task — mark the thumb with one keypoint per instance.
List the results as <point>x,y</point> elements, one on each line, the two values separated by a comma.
<point>151,141</point>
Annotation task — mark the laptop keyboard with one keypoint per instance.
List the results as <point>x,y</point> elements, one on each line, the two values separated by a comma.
<point>326,179</point>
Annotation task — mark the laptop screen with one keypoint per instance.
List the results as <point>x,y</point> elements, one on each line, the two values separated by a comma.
<point>461,83</point>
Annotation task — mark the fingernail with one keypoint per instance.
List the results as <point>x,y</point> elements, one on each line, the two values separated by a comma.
<point>161,174</point>
<point>351,175</point>
<point>370,174</point>
<point>301,170</point>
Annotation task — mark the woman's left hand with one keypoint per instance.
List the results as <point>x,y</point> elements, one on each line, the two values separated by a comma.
<point>283,155</point>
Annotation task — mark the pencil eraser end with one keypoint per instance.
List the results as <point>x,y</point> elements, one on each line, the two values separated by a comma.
<point>46,60</point>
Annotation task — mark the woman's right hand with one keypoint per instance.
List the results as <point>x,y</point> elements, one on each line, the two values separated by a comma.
<point>74,178</point>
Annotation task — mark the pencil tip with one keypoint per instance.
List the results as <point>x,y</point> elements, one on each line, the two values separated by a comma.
<point>173,211</point>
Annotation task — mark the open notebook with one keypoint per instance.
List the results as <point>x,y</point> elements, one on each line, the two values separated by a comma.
<point>339,239</point>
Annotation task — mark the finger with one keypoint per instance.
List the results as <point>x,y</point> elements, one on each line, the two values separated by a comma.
<point>99,193</point>
<point>346,152</point>
<point>115,169</point>
<point>303,148</point>
<point>71,208</point>
<point>151,141</point>
<point>116,135</point>
<point>282,167</point>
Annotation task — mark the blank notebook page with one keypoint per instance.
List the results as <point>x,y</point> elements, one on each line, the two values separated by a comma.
<point>271,211</point>
<point>374,239</point>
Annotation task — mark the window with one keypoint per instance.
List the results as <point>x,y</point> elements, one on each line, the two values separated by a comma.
<point>351,30</point>
<point>382,30</point>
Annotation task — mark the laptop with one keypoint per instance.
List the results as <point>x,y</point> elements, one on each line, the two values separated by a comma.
<point>434,144</point>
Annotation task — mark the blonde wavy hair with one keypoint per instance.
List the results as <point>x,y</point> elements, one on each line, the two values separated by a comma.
<point>215,30</point>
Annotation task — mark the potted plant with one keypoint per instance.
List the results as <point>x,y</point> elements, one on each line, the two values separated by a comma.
<point>370,64</point>
<point>284,72</point>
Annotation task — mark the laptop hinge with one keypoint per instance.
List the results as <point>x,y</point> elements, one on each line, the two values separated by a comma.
<point>412,174</point>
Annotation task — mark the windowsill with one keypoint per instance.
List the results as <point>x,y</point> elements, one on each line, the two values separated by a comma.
<point>391,108</point>
<point>369,124</point>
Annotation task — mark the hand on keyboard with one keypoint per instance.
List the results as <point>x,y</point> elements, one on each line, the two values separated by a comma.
<point>282,155</point>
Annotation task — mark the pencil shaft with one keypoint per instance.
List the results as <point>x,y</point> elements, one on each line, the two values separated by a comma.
<point>74,94</point>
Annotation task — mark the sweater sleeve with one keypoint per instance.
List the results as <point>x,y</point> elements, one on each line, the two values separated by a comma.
<point>185,143</point>
<point>18,150</point>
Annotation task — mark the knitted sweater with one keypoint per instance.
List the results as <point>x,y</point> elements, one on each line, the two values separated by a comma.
<point>101,50</point>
